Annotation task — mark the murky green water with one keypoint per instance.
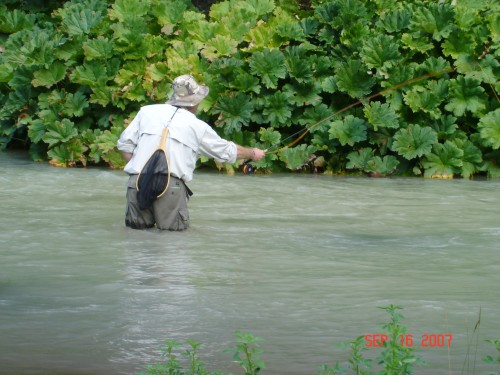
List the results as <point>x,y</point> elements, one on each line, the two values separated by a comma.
<point>301,261</point>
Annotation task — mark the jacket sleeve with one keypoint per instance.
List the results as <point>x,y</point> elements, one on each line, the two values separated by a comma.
<point>130,136</point>
<point>213,146</point>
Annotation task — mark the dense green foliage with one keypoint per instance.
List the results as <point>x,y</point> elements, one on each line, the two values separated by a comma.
<point>376,86</point>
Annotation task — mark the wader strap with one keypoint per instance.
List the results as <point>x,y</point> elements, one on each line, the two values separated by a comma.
<point>188,190</point>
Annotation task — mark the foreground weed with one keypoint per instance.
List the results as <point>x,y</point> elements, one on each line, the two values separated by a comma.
<point>246,353</point>
<point>173,366</point>
<point>490,359</point>
<point>397,356</point>
<point>357,363</point>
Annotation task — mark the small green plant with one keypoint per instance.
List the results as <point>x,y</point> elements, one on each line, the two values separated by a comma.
<point>357,363</point>
<point>397,356</point>
<point>173,366</point>
<point>489,358</point>
<point>246,353</point>
<point>397,353</point>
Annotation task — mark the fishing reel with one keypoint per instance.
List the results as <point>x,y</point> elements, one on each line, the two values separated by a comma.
<point>248,168</point>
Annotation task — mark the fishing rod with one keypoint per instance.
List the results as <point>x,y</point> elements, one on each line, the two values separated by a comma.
<point>249,169</point>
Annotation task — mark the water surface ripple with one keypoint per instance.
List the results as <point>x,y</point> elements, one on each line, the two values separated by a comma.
<point>302,261</point>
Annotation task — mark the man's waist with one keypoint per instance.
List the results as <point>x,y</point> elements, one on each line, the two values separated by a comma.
<point>132,181</point>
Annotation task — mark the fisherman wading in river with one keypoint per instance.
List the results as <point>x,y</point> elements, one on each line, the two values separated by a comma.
<point>161,146</point>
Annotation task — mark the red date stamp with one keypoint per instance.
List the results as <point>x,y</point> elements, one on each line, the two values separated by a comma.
<point>426,340</point>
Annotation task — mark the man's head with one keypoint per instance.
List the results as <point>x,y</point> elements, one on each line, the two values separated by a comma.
<point>187,92</point>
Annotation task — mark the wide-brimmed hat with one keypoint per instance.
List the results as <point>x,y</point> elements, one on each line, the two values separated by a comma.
<point>187,92</point>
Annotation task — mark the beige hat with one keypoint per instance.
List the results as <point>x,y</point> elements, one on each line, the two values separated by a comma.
<point>187,92</point>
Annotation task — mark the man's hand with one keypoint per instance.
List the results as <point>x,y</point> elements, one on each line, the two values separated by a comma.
<point>253,153</point>
<point>257,154</point>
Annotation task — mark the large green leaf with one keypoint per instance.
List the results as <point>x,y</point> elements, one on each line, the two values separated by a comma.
<point>380,52</point>
<point>309,25</point>
<point>247,83</point>
<point>460,42</point>
<point>435,19</point>
<point>15,20</point>
<point>359,159</point>
<point>466,95</point>
<point>307,93</point>
<point>130,39</point>
<point>16,101</point>
<point>101,95</point>
<point>90,73</point>
<point>435,65</point>
<point>414,141</point>
<point>381,115</point>
<point>444,161</point>
<point>234,111</point>
<point>472,157</point>
<point>220,45</point>
<point>382,166</point>
<point>124,10</point>
<point>68,153</point>
<point>417,41</point>
<point>351,77</point>
<point>269,137</point>
<point>262,36</point>
<point>60,132</point>
<point>445,126</point>
<point>483,70</point>
<point>49,77</point>
<point>261,7</point>
<point>103,146</point>
<point>169,12</point>
<point>36,130</point>
<point>395,20</point>
<point>6,72</point>
<point>77,22</point>
<point>298,64</point>
<point>237,23</point>
<point>99,48</point>
<point>290,30</point>
<point>198,27</point>
<point>349,131</point>
<point>489,128</point>
<point>21,78</point>
<point>354,36</point>
<point>296,157</point>
<point>75,104</point>
<point>398,75</point>
<point>316,117</point>
<point>277,110</point>
<point>39,49</point>
<point>269,65</point>
<point>327,12</point>
<point>428,99</point>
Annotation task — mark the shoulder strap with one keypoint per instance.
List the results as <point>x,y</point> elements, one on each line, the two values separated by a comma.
<point>164,133</point>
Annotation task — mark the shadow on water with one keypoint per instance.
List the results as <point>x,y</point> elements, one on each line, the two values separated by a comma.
<point>302,261</point>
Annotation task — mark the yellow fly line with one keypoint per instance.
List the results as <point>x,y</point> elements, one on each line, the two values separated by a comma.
<point>360,101</point>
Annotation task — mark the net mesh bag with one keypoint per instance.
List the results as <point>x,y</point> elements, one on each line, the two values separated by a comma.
<point>154,177</point>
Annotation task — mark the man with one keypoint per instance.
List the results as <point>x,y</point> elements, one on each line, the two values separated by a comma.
<point>188,139</point>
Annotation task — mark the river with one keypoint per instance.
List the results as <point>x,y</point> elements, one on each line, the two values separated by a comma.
<point>302,261</point>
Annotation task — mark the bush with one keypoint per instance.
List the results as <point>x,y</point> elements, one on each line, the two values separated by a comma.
<point>375,87</point>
